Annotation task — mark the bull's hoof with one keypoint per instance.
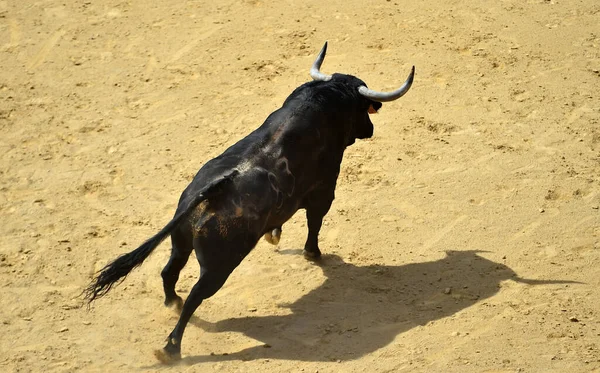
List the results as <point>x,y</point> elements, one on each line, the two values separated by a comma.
<point>312,255</point>
<point>175,303</point>
<point>167,358</point>
<point>273,237</point>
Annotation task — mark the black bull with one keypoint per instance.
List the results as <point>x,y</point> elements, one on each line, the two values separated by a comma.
<point>290,162</point>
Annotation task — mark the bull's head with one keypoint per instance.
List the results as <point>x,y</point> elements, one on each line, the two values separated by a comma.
<point>368,101</point>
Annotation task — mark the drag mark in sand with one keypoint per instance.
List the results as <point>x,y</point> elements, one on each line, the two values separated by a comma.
<point>15,33</point>
<point>191,45</point>
<point>46,49</point>
<point>443,232</point>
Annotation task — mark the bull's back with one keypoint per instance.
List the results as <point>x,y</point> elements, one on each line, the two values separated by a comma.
<point>275,170</point>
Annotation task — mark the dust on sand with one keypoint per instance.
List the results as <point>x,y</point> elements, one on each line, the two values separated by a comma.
<point>454,229</point>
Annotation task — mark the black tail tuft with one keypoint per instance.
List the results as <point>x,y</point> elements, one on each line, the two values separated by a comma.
<point>116,271</point>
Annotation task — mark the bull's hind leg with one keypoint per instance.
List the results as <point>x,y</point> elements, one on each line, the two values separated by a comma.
<point>210,281</point>
<point>180,254</point>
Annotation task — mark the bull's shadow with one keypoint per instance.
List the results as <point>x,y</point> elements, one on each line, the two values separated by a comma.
<point>358,310</point>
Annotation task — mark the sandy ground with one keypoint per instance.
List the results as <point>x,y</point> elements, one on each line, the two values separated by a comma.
<point>464,236</point>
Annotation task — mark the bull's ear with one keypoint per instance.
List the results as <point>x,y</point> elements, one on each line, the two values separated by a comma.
<point>374,107</point>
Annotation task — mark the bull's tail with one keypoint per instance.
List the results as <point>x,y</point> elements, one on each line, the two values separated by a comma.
<point>116,271</point>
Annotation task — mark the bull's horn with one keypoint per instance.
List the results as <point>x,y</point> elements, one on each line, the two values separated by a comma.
<point>388,96</point>
<point>314,70</point>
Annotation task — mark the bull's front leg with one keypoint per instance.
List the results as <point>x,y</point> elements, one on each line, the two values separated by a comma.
<point>317,205</point>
